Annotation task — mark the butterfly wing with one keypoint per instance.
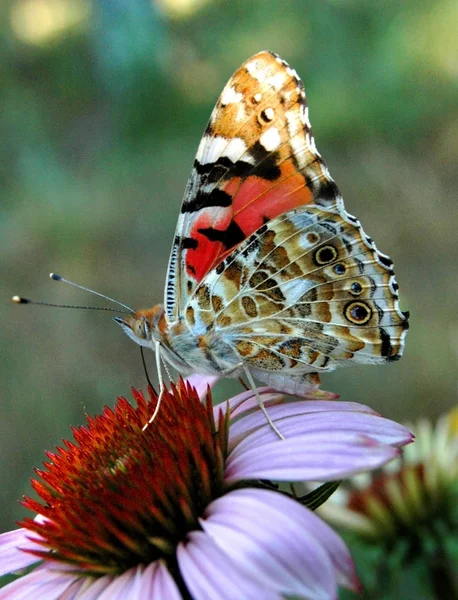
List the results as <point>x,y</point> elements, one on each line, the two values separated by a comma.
<point>257,160</point>
<point>308,292</point>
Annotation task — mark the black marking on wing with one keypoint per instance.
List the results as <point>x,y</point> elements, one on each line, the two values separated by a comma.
<point>189,243</point>
<point>348,245</point>
<point>385,260</point>
<point>386,349</point>
<point>325,190</point>
<point>214,172</point>
<point>360,265</point>
<point>373,286</point>
<point>266,163</point>
<point>230,237</point>
<point>216,197</point>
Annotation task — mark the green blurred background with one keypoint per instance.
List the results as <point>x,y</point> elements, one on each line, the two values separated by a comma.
<point>102,108</point>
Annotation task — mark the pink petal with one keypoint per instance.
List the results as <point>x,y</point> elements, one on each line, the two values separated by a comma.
<point>92,588</point>
<point>137,583</point>
<point>163,584</point>
<point>210,574</point>
<point>297,418</point>
<point>43,582</point>
<point>200,382</point>
<point>119,587</point>
<point>297,408</point>
<point>276,541</point>
<point>246,401</point>
<point>312,457</point>
<point>11,556</point>
<point>72,592</point>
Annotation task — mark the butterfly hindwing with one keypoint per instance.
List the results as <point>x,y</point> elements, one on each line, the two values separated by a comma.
<point>257,160</point>
<point>307,292</point>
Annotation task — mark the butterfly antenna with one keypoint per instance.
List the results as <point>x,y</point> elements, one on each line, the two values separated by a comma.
<point>157,349</point>
<point>56,277</point>
<point>22,300</point>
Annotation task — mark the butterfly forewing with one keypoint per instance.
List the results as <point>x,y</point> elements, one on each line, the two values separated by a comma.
<point>257,160</point>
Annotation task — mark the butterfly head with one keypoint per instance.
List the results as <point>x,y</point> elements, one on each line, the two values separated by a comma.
<point>144,326</point>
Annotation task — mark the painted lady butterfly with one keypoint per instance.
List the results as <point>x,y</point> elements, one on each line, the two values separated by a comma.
<point>269,276</point>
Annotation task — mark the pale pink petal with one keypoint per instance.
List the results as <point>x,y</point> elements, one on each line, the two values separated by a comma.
<point>43,582</point>
<point>209,574</point>
<point>290,409</point>
<point>72,592</point>
<point>120,587</point>
<point>312,457</point>
<point>162,583</point>
<point>12,558</point>
<point>246,401</point>
<point>201,383</point>
<point>275,540</point>
<point>296,418</point>
<point>154,581</point>
<point>92,588</point>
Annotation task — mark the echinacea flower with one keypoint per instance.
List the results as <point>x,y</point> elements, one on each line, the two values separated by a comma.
<point>184,509</point>
<point>403,520</point>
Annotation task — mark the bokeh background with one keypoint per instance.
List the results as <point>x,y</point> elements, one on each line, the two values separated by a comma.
<point>102,107</point>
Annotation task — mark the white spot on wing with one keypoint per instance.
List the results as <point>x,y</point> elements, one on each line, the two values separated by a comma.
<point>278,80</point>
<point>230,96</point>
<point>304,115</point>
<point>213,147</point>
<point>292,73</point>
<point>270,113</point>
<point>270,139</point>
<point>255,70</point>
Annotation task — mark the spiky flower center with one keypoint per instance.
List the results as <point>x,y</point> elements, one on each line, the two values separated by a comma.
<point>121,496</point>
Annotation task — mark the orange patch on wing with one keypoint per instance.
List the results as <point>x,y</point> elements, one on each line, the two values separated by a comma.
<point>200,260</point>
<point>255,201</point>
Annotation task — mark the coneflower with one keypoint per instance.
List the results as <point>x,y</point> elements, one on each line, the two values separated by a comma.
<point>186,508</point>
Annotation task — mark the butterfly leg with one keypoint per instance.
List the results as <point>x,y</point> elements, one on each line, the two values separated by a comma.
<point>228,372</point>
<point>157,349</point>
<point>261,403</point>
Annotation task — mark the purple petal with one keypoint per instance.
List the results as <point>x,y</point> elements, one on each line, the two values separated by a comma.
<point>91,588</point>
<point>163,584</point>
<point>209,573</point>
<point>43,582</point>
<point>119,587</point>
<point>246,401</point>
<point>280,543</point>
<point>298,418</point>
<point>297,408</point>
<point>313,457</point>
<point>200,382</point>
<point>12,558</point>
<point>137,583</point>
<point>73,592</point>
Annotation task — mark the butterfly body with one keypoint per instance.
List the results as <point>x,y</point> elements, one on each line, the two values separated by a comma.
<point>268,272</point>
<point>182,346</point>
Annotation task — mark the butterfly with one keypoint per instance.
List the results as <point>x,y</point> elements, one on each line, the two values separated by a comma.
<point>269,276</point>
